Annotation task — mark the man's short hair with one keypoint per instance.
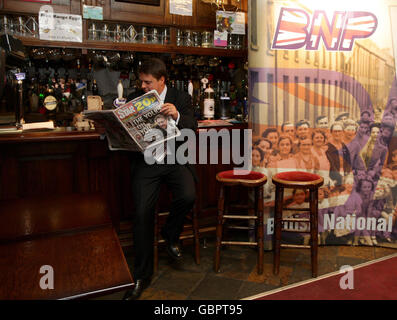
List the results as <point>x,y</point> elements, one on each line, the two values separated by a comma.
<point>286,124</point>
<point>340,115</point>
<point>337,123</point>
<point>269,130</point>
<point>362,121</point>
<point>160,115</point>
<point>374,125</point>
<point>301,123</point>
<point>155,67</point>
<point>320,117</point>
<point>349,122</point>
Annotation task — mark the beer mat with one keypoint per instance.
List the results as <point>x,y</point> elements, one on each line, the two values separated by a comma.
<point>38,125</point>
<point>213,123</point>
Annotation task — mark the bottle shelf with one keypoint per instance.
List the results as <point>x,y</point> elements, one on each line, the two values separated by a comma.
<point>136,47</point>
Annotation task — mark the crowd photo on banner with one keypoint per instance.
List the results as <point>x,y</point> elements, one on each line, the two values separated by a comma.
<point>331,112</point>
<point>357,204</point>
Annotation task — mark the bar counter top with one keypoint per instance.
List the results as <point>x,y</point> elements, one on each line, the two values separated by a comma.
<point>12,135</point>
<point>56,162</point>
<point>57,134</point>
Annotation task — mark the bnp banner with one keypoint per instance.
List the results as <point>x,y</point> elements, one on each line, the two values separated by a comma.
<point>323,99</point>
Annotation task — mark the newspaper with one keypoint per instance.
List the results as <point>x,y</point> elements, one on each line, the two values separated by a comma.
<point>137,125</point>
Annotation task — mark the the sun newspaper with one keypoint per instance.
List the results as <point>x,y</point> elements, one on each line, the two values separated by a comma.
<point>137,125</point>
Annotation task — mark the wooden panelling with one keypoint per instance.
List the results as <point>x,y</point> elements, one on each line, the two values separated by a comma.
<point>131,12</point>
<point>59,6</point>
<point>205,15</point>
<point>44,165</point>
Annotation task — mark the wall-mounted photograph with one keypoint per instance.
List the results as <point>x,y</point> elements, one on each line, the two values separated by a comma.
<point>147,2</point>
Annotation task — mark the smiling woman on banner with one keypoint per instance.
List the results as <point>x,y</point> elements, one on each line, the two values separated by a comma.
<point>338,155</point>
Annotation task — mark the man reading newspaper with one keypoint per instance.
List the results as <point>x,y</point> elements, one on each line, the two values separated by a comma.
<point>147,178</point>
<point>137,125</point>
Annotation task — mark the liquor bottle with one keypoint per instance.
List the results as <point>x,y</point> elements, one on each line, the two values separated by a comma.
<point>203,82</point>
<point>50,103</point>
<point>95,90</point>
<point>78,79</point>
<point>34,97</point>
<point>209,103</point>
<point>197,109</point>
<point>245,109</point>
<point>224,112</point>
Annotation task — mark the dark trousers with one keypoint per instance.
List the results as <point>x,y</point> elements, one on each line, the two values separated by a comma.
<point>147,180</point>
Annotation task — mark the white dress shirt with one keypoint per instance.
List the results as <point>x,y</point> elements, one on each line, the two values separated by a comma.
<point>162,98</point>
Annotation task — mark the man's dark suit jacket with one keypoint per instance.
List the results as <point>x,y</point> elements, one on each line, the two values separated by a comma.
<point>183,103</point>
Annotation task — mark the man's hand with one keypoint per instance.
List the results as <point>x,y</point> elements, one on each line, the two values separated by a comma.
<point>168,109</point>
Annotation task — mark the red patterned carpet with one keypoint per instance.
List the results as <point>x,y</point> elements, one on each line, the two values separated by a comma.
<point>374,280</point>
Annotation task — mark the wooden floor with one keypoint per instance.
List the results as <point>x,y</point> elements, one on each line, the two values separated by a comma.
<point>238,278</point>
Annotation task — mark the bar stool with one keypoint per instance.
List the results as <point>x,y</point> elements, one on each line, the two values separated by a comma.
<point>249,179</point>
<point>192,224</point>
<point>297,180</point>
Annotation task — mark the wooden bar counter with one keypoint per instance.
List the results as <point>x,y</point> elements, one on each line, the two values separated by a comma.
<point>56,162</point>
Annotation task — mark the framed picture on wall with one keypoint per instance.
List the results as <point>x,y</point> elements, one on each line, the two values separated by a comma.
<point>147,2</point>
<point>41,1</point>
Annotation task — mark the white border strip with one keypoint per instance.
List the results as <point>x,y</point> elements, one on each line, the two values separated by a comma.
<point>266,293</point>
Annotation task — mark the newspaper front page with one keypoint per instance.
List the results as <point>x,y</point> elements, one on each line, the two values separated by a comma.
<point>137,125</point>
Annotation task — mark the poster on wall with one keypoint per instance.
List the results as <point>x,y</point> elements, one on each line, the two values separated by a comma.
<point>323,99</point>
<point>181,7</point>
<point>41,1</point>
<point>232,22</point>
<point>60,27</point>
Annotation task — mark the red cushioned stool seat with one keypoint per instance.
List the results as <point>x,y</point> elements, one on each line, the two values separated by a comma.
<point>252,181</point>
<point>243,177</point>
<point>297,180</point>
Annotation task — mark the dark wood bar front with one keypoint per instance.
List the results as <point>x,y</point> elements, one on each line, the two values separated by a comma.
<point>56,163</point>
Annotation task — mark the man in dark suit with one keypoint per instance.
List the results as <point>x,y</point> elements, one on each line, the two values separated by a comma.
<point>147,179</point>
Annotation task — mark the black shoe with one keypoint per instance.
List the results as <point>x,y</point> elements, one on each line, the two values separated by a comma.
<point>172,247</point>
<point>135,293</point>
<point>173,250</point>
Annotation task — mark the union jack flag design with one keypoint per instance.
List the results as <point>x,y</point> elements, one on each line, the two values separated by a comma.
<point>296,29</point>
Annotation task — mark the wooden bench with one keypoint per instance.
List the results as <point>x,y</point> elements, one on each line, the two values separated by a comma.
<point>71,233</point>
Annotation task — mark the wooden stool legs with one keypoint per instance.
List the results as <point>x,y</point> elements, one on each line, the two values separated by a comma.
<point>259,226</point>
<point>223,208</point>
<point>277,228</point>
<point>314,229</point>
<point>219,227</point>
<point>313,201</point>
